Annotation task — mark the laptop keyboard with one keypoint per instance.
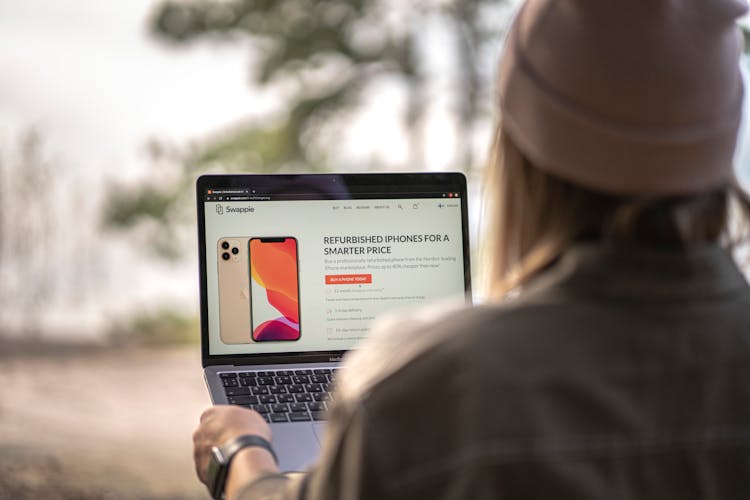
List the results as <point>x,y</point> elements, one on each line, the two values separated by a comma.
<point>281,395</point>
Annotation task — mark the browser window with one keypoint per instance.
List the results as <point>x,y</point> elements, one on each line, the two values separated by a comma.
<point>289,273</point>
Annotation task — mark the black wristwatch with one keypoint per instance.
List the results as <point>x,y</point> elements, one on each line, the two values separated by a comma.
<point>221,457</point>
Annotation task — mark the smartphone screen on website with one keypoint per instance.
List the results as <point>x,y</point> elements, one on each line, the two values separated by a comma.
<point>274,289</point>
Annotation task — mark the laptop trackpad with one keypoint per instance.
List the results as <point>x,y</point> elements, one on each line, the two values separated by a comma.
<point>296,446</point>
<point>320,431</point>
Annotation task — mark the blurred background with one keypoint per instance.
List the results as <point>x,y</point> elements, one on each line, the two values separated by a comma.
<point>108,112</point>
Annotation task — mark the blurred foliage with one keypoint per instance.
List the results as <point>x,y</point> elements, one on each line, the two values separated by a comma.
<point>127,206</point>
<point>157,210</point>
<point>161,328</point>
<point>329,51</point>
<point>319,57</point>
<point>45,258</point>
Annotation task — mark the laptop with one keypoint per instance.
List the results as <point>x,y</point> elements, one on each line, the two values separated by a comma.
<point>295,268</point>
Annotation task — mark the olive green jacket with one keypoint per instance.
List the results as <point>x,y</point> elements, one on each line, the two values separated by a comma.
<point>617,374</point>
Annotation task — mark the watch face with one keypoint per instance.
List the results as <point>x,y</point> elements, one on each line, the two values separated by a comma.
<point>217,456</point>
<point>216,473</point>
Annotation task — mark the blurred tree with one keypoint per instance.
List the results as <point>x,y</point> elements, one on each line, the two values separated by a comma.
<point>323,58</point>
<point>45,261</point>
<point>25,233</point>
<point>158,208</point>
<point>329,51</point>
<point>324,53</point>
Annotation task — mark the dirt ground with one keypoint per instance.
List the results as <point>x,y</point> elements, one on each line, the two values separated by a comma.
<point>99,422</point>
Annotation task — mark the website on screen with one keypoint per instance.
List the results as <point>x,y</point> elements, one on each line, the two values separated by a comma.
<point>312,275</point>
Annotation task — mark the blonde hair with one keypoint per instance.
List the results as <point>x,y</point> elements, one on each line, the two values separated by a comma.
<point>532,218</point>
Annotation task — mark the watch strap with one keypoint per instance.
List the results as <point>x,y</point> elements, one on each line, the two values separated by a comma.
<point>221,458</point>
<point>234,445</point>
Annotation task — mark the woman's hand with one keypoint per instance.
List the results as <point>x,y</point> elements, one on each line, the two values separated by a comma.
<point>218,425</point>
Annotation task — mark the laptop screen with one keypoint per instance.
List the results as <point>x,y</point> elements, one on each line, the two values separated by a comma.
<point>304,263</point>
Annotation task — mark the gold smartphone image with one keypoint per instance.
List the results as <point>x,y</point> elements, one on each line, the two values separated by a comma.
<point>234,290</point>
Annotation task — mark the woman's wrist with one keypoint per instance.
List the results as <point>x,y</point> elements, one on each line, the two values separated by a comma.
<point>248,465</point>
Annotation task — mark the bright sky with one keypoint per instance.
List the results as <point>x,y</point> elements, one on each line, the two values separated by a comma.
<point>87,75</point>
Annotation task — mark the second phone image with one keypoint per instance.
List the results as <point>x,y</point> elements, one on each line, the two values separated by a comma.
<point>274,289</point>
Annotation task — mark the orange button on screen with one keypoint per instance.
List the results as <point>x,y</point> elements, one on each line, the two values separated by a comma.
<point>348,279</point>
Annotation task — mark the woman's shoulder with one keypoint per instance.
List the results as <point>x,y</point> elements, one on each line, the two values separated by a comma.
<point>442,329</point>
<point>394,340</point>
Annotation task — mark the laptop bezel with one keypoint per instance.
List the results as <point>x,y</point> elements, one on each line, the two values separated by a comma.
<point>394,182</point>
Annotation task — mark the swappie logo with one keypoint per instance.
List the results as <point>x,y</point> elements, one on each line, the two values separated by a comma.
<point>240,210</point>
<point>220,209</point>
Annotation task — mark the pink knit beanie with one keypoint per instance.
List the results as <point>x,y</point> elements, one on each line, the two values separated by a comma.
<point>632,97</point>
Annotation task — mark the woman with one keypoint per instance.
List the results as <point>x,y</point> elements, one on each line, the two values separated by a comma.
<point>614,359</point>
